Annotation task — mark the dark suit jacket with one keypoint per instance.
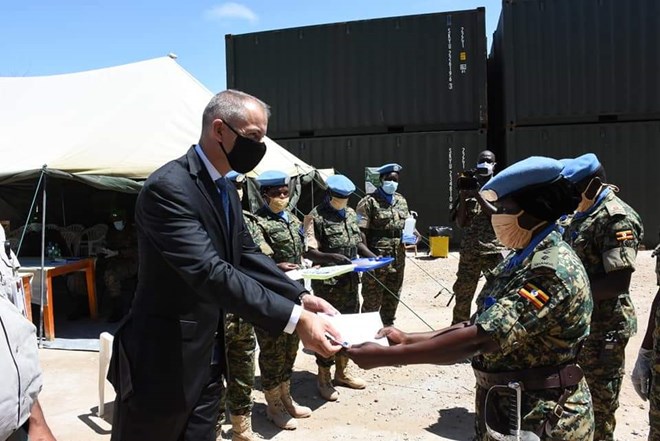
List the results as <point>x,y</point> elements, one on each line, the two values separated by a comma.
<point>192,269</point>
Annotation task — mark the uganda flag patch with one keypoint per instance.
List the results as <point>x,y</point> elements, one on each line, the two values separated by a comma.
<point>534,294</point>
<point>624,235</point>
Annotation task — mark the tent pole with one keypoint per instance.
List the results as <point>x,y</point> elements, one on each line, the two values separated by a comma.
<point>43,263</point>
<point>27,221</point>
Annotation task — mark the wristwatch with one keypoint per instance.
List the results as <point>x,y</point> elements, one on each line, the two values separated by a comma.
<point>300,297</point>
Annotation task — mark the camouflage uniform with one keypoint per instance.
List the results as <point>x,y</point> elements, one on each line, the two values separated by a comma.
<point>538,312</point>
<point>278,353</point>
<point>606,240</point>
<point>383,223</point>
<point>480,252</point>
<point>240,343</point>
<point>328,232</point>
<point>654,390</point>
<point>125,264</point>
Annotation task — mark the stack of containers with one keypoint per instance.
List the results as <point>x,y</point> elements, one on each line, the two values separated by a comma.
<point>410,90</point>
<point>583,76</point>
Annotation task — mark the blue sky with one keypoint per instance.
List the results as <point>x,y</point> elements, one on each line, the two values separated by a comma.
<point>45,37</point>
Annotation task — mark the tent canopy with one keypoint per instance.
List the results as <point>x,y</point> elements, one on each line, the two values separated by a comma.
<point>108,127</point>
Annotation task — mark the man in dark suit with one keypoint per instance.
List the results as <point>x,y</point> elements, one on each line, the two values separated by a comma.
<point>196,262</point>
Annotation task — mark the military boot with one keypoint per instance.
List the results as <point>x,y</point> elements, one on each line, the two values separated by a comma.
<point>294,409</point>
<point>241,427</point>
<point>276,412</point>
<point>324,385</point>
<point>343,377</point>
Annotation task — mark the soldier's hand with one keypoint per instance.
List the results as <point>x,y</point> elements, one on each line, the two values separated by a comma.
<point>287,266</point>
<point>641,374</point>
<point>317,304</point>
<point>393,335</point>
<point>369,355</point>
<point>312,328</point>
<point>339,259</point>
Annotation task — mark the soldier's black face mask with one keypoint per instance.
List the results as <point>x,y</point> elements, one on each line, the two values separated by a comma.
<point>246,154</point>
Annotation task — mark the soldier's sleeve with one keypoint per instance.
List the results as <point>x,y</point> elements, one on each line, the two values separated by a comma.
<point>363,213</point>
<point>545,299</point>
<point>620,239</point>
<point>257,236</point>
<point>308,232</point>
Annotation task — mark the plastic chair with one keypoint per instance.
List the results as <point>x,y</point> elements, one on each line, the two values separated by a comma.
<point>105,353</point>
<point>72,239</point>
<point>410,242</point>
<point>92,238</point>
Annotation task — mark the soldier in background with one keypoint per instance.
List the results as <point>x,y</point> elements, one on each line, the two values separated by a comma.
<point>282,230</point>
<point>480,250</point>
<point>605,233</point>
<point>381,216</point>
<point>120,263</point>
<point>332,237</point>
<point>240,347</point>
<point>645,377</point>
<point>532,316</point>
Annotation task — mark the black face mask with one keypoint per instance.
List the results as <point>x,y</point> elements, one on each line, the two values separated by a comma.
<point>246,153</point>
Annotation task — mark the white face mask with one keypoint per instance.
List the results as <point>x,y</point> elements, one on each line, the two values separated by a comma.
<point>390,187</point>
<point>278,205</point>
<point>485,168</point>
<point>586,203</point>
<point>338,203</point>
<point>509,232</point>
<point>119,225</point>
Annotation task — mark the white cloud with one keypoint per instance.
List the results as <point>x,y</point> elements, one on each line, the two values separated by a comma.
<point>231,11</point>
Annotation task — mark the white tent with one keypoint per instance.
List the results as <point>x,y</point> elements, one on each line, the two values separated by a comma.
<point>123,121</point>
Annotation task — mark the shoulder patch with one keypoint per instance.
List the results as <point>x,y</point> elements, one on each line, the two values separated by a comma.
<point>624,235</point>
<point>614,208</point>
<point>547,258</point>
<point>536,296</point>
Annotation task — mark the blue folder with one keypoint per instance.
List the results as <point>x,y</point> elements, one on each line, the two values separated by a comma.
<point>371,263</point>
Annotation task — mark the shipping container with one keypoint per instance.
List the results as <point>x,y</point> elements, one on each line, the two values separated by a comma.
<point>413,73</point>
<point>430,160</point>
<point>628,151</point>
<point>578,61</point>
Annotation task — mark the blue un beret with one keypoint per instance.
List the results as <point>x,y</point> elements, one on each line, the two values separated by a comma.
<point>389,168</point>
<point>273,178</point>
<point>581,167</point>
<point>235,176</point>
<point>531,171</point>
<point>340,185</point>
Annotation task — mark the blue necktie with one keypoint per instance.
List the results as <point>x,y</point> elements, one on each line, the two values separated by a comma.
<point>224,193</point>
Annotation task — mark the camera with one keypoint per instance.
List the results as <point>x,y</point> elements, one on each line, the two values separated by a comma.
<point>467,180</point>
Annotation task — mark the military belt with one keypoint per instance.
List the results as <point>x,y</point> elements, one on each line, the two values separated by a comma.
<point>392,234</point>
<point>552,377</point>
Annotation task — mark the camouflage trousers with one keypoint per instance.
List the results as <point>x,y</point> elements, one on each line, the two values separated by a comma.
<point>470,267</point>
<point>381,288</point>
<point>240,346</point>
<point>576,423</point>
<point>118,269</point>
<point>654,392</point>
<point>602,359</point>
<point>342,293</point>
<point>277,354</point>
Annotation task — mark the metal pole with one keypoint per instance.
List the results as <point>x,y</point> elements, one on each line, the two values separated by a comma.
<point>43,263</point>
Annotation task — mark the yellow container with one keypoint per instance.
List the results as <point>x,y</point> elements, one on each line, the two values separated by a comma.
<point>439,246</point>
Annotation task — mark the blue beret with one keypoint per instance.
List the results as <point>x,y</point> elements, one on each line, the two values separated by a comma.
<point>341,185</point>
<point>235,176</point>
<point>531,171</point>
<point>581,167</point>
<point>389,168</point>
<point>273,178</point>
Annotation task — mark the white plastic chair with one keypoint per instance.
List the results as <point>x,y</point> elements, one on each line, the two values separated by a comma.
<point>105,353</point>
<point>92,238</point>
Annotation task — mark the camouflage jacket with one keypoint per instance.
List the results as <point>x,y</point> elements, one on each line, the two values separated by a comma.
<point>382,223</point>
<point>538,313</point>
<point>328,232</point>
<point>284,238</point>
<point>478,235</point>
<point>252,225</point>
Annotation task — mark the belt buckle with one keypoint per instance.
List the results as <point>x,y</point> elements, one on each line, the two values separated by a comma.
<point>558,411</point>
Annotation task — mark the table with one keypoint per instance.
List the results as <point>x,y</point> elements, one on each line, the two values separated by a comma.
<point>60,268</point>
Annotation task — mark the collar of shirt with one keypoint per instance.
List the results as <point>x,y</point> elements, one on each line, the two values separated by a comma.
<point>388,197</point>
<point>591,209</point>
<point>282,214</point>
<point>341,213</point>
<point>521,255</point>
<point>213,172</point>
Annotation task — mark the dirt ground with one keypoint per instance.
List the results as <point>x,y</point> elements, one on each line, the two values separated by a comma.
<point>411,403</point>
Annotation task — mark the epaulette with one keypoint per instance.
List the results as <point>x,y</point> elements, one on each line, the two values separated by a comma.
<point>614,208</point>
<point>547,258</point>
